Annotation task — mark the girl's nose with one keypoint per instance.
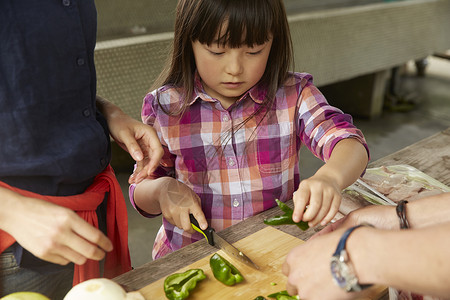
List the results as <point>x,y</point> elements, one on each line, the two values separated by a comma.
<point>234,65</point>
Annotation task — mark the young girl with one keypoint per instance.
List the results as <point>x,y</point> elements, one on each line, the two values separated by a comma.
<point>231,119</point>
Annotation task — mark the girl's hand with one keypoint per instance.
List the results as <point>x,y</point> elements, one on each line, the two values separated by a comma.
<point>177,201</point>
<point>322,197</point>
<point>321,193</point>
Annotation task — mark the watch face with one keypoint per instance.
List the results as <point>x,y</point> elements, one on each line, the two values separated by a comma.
<point>343,273</point>
<point>336,271</point>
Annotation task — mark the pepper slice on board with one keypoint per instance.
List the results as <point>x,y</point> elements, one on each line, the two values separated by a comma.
<point>177,286</point>
<point>224,271</point>
<point>283,295</point>
<point>286,218</point>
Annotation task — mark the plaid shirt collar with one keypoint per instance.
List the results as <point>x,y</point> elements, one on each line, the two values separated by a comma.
<point>257,93</point>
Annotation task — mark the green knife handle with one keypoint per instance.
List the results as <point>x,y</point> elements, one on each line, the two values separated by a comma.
<point>207,233</point>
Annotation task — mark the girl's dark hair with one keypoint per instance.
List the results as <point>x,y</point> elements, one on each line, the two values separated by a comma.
<point>203,20</point>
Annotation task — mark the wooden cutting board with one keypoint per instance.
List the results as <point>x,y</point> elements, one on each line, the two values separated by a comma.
<point>267,248</point>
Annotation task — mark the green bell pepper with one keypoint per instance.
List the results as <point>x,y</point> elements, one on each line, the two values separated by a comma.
<point>177,286</point>
<point>283,295</point>
<point>224,271</point>
<point>286,218</point>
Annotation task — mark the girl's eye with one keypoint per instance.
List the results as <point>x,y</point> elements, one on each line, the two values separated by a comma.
<point>255,52</point>
<point>215,53</point>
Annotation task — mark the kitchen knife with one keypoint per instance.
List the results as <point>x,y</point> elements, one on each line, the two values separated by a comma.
<point>215,240</point>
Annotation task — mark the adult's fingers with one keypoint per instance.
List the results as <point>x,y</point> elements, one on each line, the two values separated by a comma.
<point>155,150</point>
<point>285,269</point>
<point>330,228</point>
<point>140,172</point>
<point>291,289</point>
<point>56,259</point>
<point>130,143</point>
<point>89,241</point>
<point>63,255</point>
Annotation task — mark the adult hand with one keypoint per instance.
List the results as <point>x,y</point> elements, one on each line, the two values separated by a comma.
<point>138,139</point>
<point>141,141</point>
<point>322,196</point>
<point>380,216</point>
<point>177,201</point>
<point>54,233</point>
<point>307,268</point>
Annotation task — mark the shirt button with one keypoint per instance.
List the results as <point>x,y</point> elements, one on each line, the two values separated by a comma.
<point>225,118</point>
<point>80,61</point>
<point>66,2</point>
<point>103,162</point>
<point>86,112</point>
<point>235,203</point>
<point>231,162</point>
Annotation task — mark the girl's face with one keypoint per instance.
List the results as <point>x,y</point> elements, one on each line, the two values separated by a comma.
<point>227,73</point>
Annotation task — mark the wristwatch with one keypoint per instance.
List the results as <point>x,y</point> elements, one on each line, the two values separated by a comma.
<point>342,269</point>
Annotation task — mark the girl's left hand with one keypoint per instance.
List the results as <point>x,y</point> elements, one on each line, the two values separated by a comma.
<point>320,196</point>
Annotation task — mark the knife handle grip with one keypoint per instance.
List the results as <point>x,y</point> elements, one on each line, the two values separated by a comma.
<point>207,233</point>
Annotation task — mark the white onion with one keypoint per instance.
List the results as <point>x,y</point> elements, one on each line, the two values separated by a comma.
<point>96,289</point>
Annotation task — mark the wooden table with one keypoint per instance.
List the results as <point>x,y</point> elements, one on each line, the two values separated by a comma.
<point>431,156</point>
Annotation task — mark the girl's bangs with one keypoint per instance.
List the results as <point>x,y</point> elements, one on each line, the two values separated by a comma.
<point>235,23</point>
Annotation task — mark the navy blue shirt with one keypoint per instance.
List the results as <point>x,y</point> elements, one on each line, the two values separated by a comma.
<point>53,141</point>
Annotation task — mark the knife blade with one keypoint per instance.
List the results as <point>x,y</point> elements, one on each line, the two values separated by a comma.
<point>215,240</point>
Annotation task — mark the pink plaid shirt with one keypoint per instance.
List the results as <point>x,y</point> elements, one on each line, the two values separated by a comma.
<point>240,175</point>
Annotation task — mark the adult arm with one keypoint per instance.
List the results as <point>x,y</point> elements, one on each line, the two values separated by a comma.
<point>416,259</point>
<point>137,138</point>
<point>50,232</point>
<point>420,213</point>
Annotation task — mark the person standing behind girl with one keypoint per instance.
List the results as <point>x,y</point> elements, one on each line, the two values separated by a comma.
<point>232,118</point>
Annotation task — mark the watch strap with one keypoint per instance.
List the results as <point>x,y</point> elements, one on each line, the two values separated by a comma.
<point>343,240</point>
<point>341,247</point>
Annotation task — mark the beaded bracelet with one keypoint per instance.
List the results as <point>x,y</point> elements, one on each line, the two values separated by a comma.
<point>401,213</point>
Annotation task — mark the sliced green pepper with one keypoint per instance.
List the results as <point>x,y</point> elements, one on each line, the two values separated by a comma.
<point>286,218</point>
<point>177,286</point>
<point>283,295</point>
<point>224,271</point>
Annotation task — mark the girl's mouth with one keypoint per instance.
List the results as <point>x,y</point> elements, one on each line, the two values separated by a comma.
<point>232,85</point>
